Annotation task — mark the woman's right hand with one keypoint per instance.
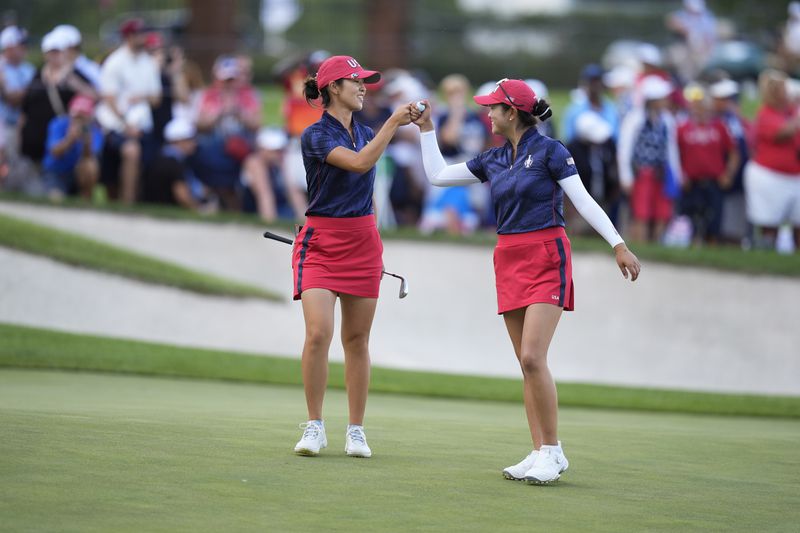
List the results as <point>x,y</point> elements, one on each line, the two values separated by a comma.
<point>402,115</point>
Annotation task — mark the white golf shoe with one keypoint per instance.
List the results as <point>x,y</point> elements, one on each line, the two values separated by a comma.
<point>356,442</point>
<point>548,466</point>
<point>313,438</point>
<point>518,471</point>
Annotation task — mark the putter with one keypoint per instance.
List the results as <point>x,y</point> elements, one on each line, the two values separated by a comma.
<point>403,282</point>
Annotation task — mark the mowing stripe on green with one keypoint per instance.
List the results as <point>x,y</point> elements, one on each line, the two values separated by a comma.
<point>77,250</point>
<point>25,347</point>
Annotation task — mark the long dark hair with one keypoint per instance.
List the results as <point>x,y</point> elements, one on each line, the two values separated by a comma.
<point>541,112</point>
<point>312,92</point>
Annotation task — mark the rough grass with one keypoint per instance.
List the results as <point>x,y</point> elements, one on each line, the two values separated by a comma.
<point>24,347</point>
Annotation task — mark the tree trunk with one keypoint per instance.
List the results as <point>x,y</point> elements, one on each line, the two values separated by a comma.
<point>388,33</point>
<point>211,31</point>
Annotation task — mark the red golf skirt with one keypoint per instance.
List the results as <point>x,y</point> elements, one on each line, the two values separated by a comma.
<point>343,255</point>
<point>534,267</point>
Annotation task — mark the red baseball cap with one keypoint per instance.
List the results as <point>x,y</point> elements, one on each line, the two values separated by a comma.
<point>81,105</point>
<point>515,93</point>
<point>132,26</point>
<point>338,67</point>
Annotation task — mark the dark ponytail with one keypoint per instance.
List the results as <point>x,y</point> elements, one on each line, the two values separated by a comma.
<point>312,92</point>
<point>541,109</point>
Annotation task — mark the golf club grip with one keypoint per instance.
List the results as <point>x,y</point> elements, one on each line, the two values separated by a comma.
<point>270,235</point>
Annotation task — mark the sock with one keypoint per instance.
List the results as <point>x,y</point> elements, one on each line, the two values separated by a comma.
<point>349,426</point>
<point>320,422</point>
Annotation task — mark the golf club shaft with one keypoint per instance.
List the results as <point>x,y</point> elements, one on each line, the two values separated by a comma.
<point>274,237</point>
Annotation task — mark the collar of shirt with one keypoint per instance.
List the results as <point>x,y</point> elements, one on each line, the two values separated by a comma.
<point>530,136</point>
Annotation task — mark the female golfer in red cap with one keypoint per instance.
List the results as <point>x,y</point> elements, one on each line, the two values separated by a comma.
<point>532,260</point>
<point>338,251</point>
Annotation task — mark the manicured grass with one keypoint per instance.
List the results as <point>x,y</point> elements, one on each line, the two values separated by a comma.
<point>81,251</point>
<point>24,347</point>
<point>87,452</point>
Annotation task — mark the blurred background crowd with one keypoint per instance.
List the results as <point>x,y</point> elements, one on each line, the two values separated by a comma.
<point>690,137</point>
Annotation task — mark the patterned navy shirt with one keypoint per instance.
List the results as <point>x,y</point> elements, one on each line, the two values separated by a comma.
<point>332,191</point>
<point>525,194</point>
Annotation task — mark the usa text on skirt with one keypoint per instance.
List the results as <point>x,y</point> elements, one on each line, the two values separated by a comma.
<point>534,267</point>
<point>343,255</point>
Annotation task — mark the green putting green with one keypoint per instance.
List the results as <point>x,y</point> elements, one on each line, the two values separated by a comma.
<point>96,452</point>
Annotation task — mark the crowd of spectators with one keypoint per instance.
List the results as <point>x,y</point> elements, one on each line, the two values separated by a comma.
<point>659,140</point>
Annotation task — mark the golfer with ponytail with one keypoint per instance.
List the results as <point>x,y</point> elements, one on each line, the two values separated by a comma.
<point>338,252</point>
<point>533,266</point>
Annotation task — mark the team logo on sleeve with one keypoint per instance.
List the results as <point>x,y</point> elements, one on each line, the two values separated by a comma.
<point>570,161</point>
<point>529,161</point>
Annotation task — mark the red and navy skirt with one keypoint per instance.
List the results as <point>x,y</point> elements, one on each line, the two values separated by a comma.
<point>343,255</point>
<point>534,267</point>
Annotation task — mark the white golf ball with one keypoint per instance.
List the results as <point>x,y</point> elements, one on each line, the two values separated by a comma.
<point>420,107</point>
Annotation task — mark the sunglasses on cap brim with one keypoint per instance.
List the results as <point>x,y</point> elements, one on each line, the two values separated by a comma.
<point>508,96</point>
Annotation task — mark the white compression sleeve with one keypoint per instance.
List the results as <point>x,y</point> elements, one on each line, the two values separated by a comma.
<point>589,209</point>
<point>437,170</point>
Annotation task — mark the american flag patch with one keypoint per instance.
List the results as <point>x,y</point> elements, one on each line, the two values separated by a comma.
<point>570,161</point>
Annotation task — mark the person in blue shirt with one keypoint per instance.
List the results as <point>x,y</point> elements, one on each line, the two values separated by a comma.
<point>591,96</point>
<point>72,147</point>
<point>338,252</point>
<point>528,177</point>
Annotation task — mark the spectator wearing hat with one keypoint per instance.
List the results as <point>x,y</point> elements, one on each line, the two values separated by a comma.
<point>170,179</point>
<point>772,176</point>
<point>228,117</point>
<point>595,154</point>
<point>73,40</point>
<point>15,76</point>
<point>696,27</point>
<point>725,106</point>
<point>129,86</point>
<point>651,63</point>
<point>591,96</point>
<point>74,143</point>
<point>268,190</point>
<point>648,161</point>
<point>48,95</point>
<point>709,160</point>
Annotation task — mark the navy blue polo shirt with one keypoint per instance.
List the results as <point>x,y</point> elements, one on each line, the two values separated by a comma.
<point>332,191</point>
<point>525,192</point>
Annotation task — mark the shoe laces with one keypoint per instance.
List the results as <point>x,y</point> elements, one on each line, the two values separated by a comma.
<point>357,435</point>
<point>311,430</point>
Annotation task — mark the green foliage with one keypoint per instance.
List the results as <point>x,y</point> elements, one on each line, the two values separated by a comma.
<point>24,347</point>
<point>81,251</point>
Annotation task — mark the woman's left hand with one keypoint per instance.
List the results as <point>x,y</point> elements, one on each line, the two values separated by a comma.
<point>627,262</point>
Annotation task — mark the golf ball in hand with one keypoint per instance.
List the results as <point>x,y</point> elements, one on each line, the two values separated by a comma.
<point>421,107</point>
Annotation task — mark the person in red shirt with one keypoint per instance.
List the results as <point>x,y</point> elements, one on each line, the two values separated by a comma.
<point>709,160</point>
<point>772,176</point>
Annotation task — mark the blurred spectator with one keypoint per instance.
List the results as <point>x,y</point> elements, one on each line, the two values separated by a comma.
<point>725,101</point>
<point>590,97</point>
<point>74,143</point>
<point>229,115</point>
<point>408,180</point>
<point>595,154</point>
<point>772,176</point>
<point>697,28</point>
<point>174,86</point>
<point>649,165</point>
<point>709,160</point>
<point>15,76</point>
<point>651,63</point>
<point>83,65</point>
<point>170,179</point>
<point>790,43</point>
<point>195,85</point>
<point>48,95</point>
<point>129,86</point>
<point>620,81</point>
<point>267,189</point>
<point>462,136</point>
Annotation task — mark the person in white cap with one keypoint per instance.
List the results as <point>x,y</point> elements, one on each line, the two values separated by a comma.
<point>170,179</point>
<point>725,105</point>
<point>48,95</point>
<point>789,48</point>
<point>696,25</point>
<point>648,161</point>
<point>268,190</point>
<point>73,39</point>
<point>129,85</point>
<point>15,75</point>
